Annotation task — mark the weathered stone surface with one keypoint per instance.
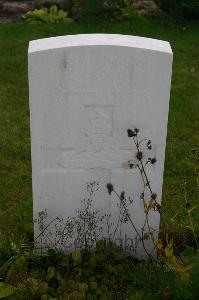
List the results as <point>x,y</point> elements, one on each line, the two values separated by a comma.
<point>85,92</point>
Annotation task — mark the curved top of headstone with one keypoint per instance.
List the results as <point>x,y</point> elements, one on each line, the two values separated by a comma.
<point>99,40</point>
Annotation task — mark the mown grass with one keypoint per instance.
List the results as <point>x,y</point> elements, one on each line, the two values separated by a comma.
<point>183,133</point>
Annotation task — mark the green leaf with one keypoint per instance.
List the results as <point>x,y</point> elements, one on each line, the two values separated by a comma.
<point>50,273</point>
<point>188,227</point>
<point>53,10</point>
<point>93,285</point>
<point>77,257</point>
<point>5,290</point>
<point>59,276</point>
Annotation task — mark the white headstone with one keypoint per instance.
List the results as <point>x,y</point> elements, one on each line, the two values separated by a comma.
<point>85,92</point>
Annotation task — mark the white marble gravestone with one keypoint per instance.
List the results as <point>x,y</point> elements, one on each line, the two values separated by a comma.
<point>85,92</point>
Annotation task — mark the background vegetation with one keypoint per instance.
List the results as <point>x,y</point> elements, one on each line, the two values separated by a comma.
<point>188,9</point>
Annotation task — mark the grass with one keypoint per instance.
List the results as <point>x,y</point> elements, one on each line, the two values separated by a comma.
<point>183,133</point>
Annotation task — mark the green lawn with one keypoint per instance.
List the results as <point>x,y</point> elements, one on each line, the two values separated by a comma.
<point>183,133</point>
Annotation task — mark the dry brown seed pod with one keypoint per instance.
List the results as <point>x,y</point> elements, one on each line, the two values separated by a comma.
<point>139,155</point>
<point>130,133</point>
<point>109,187</point>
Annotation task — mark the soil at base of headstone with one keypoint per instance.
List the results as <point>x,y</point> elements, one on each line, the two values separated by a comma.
<point>12,11</point>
